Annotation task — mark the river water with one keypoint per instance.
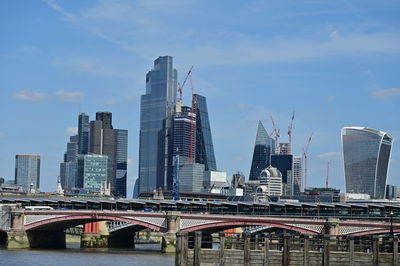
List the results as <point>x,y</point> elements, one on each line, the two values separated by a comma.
<point>147,255</point>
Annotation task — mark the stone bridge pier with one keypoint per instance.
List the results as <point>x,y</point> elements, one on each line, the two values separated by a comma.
<point>332,227</point>
<point>168,243</point>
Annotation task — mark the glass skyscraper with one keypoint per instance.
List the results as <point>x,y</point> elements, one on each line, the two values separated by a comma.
<point>263,149</point>
<point>83,134</point>
<point>27,171</point>
<point>121,158</point>
<point>366,154</point>
<point>157,109</point>
<point>204,145</point>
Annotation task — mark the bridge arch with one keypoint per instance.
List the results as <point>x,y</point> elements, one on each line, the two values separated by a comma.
<point>64,222</point>
<point>374,232</point>
<point>234,224</point>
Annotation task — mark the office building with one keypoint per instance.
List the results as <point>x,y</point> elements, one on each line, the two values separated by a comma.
<point>83,133</point>
<point>392,192</point>
<point>215,179</point>
<point>105,118</point>
<point>157,108</point>
<point>284,163</point>
<point>121,158</point>
<point>270,182</point>
<point>93,172</point>
<point>366,154</point>
<point>191,177</point>
<point>27,171</point>
<point>263,149</point>
<point>68,174</point>
<point>184,126</point>
<point>204,145</point>
<point>297,174</point>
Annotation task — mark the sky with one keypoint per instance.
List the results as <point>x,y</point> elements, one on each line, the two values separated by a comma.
<point>335,63</point>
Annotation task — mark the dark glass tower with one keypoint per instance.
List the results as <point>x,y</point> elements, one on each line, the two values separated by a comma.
<point>157,109</point>
<point>262,152</point>
<point>204,145</point>
<point>106,118</point>
<point>184,123</point>
<point>83,134</point>
<point>366,154</point>
<point>121,157</point>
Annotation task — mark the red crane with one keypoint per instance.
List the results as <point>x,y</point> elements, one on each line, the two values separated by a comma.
<point>290,134</point>
<point>277,134</point>
<point>305,155</point>
<point>180,87</point>
<point>327,176</point>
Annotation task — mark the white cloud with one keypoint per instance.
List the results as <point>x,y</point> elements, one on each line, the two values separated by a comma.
<point>70,131</point>
<point>128,24</point>
<point>331,99</point>
<point>386,93</point>
<point>110,102</point>
<point>73,96</point>
<point>2,135</point>
<point>31,96</point>
<point>333,155</point>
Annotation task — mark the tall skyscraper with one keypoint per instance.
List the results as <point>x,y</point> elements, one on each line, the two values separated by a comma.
<point>366,154</point>
<point>105,118</point>
<point>204,145</point>
<point>284,163</point>
<point>27,171</point>
<point>83,134</point>
<point>105,140</point>
<point>157,108</point>
<point>263,149</point>
<point>121,159</point>
<point>183,143</point>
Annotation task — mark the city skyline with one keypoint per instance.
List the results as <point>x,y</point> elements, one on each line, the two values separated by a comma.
<point>333,63</point>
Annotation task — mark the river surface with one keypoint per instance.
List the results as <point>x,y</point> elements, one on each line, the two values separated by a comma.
<point>147,255</point>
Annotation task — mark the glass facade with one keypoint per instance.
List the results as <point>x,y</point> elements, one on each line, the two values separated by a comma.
<point>83,133</point>
<point>122,162</point>
<point>366,154</point>
<point>204,145</point>
<point>157,108</point>
<point>263,149</point>
<point>27,171</point>
<point>93,171</point>
<point>284,163</point>
<point>184,123</point>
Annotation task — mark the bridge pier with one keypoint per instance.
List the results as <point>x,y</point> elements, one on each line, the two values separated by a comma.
<point>168,242</point>
<point>16,236</point>
<point>332,226</point>
<point>95,235</point>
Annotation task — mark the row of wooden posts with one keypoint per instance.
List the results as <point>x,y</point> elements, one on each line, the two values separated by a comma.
<point>184,244</point>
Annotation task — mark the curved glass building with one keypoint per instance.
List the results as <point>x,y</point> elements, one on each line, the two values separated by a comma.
<point>366,154</point>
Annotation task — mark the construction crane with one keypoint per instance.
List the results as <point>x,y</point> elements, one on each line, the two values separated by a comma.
<point>290,134</point>
<point>277,134</point>
<point>305,155</point>
<point>180,87</point>
<point>327,176</point>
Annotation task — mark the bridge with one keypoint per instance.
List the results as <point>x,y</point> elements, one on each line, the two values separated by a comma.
<point>21,228</point>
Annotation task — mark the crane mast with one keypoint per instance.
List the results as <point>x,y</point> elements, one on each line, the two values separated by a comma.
<point>305,155</point>
<point>277,135</point>
<point>290,134</point>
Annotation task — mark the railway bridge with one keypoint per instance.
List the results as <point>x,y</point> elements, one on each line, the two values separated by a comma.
<point>22,228</point>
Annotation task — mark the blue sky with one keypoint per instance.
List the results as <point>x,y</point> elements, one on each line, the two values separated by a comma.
<point>336,63</point>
